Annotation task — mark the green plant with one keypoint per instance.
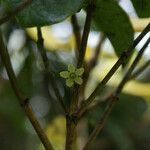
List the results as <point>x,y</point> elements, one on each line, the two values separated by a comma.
<point>105,16</point>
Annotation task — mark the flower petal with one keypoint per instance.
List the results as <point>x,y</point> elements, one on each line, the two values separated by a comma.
<point>79,71</point>
<point>71,68</point>
<point>64,74</point>
<point>78,80</point>
<point>69,82</point>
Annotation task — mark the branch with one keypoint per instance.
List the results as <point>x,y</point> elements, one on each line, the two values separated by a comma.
<point>130,70</point>
<point>13,12</point>
<point>50,75</point>
<point>71,121</point>
<point>85,35</point>
<point>124,56</point>
<point>93,61</point>
<point>106,98</point>
<point>23,100</point>
<point>76,89</point>
<point>100,124</point>
<point>71,126</point>
<point>76,30</point>
<point>113,98</point>
<point>89,66</point>
<point>140,70</point>
<point>102,101</point>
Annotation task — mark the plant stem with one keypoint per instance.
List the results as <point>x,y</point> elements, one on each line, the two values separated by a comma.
<point>100,124</point>
<point>70,133</point>
<point>23,100</point>
<point>76,30</point>
<point>50,75</point>
<point>135,62</point>
<point>140,70</point>
<point>113,98</point>
<point>124,56</point>
<point>71,122</point>
<point>13,12</point>
<point>76,89</point>
<point>102,101</point>
<point>85,35</point>
<point>105,99</point>
<point>92,63</point>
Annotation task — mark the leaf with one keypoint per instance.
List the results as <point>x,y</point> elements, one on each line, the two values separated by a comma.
<point>142,7</point>
<point>114,131</point>
<point>113,21</point>
<point>45,12</point>
<point>127,111</point>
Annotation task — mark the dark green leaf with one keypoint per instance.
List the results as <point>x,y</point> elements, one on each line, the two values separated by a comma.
<point>113,21</point>
<point>142,7</point>
<point>45,12</point>
<point>119,135</point>
<point>127,111</point>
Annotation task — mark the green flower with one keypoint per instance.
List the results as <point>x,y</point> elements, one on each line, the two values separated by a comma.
<point>72,75</point>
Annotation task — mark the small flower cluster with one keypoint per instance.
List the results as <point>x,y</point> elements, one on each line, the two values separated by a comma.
<point>73,75</point>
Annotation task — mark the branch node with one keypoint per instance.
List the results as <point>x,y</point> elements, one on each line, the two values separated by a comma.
<point>124,55</point>
<point>25,102</point>
<point>73,118</point>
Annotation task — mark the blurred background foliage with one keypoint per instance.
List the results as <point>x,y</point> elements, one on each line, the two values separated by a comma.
<point>128,127</point>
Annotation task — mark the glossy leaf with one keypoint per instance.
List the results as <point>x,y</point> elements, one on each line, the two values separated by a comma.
<point>45,12</point>
<point>142,7</point>
<point>114,22</point>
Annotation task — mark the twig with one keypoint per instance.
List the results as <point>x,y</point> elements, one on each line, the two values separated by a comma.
<point>100,124</point>
<point>139,70</point>
<point>50,75</point>
<point>71,126</point>
<point>105,99</point>
<point>93,61</point>
<point>71,121</point>
<point>102,101</point>
<point>13,12</point>
<point>124,56</point>
<point>127,75</point>
<point>85,35</point>
<point>23,100</point>
<point>113,98</point>
<point>76,30</point>
<point>89,66</point>
<point>76,89</point>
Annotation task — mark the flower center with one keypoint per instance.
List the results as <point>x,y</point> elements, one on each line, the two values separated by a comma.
<point>73,75</point>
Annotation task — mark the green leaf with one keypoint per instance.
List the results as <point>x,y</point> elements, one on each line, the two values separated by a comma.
<point>114,22</point>
<point>142,7</point>
<point>45,12</point>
